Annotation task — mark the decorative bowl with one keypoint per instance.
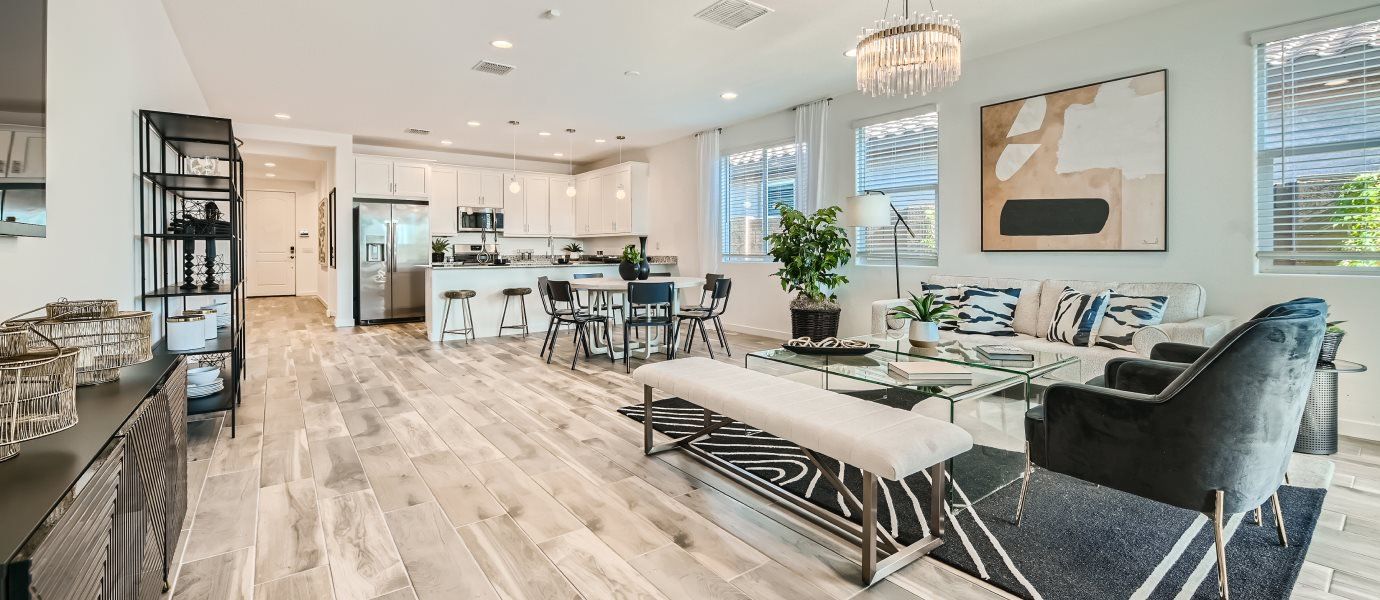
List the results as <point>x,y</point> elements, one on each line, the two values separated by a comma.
<point>203,375</point>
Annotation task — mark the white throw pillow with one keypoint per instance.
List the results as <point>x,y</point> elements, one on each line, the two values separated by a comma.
<point>1125,316</point>
<point>987,311</point>
<point>1077,317</point>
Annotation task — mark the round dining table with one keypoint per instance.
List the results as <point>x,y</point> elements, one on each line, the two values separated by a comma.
<point>609,288</point>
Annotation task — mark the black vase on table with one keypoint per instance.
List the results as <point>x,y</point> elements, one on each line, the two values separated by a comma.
<point>644,268</point>
<point>627,270</point>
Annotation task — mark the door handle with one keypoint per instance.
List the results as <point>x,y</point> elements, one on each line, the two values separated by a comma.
<point>292,251</point>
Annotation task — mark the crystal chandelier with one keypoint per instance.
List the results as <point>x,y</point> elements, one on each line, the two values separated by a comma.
<point>909,54</point>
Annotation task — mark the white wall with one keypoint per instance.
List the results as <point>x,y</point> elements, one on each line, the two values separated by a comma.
<point>106,60</point>
<point>305,198</point>
<point>1211,178</point>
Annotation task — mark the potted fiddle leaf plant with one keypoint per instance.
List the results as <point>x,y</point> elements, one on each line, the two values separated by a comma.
<point>811,249</point>
<point>924,313</point>
<point>628,263</point>
<point>438,249</point>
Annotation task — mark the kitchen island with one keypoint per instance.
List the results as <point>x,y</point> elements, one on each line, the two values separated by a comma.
<point>488,283</point>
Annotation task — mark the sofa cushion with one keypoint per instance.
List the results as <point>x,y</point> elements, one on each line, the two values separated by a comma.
<point>1027,305</point>
<point>1183,301</point>
<point>1052,289</point>
<point>987,311</point>
<point>952,295</point>
<point>1078,317</point>
<point>1125,316</point>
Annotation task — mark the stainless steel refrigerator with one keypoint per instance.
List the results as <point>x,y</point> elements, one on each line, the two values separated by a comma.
<point>392,247</point>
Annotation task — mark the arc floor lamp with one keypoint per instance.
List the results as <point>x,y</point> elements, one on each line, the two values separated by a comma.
<point>874,209</point>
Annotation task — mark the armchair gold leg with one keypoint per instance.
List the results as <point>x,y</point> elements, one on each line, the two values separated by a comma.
<point>1025,486</point>
<point>1221,545</point>
<point>1259,519</point>
<point>1279,520</point>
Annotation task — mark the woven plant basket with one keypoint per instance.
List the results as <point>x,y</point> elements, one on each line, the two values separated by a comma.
<point>38,390</point>
<point>817,324</point>
<point>108,339</point>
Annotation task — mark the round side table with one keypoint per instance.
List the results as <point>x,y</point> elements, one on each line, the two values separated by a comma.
<point>1318,432</point>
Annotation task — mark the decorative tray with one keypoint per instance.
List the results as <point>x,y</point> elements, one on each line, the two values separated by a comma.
<point>830,350</point>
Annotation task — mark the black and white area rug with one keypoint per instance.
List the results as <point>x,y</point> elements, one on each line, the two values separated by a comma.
<point>1076,540</point>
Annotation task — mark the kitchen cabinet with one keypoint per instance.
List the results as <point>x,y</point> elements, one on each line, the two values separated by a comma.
<point>526,213</point>
<point>383,177</point>
<point>619,209</point>
<point>5,137</point>
<point>588,206</point>
<point>481,189</point>
<point>562,207</point>
<point>445,195</point>
<point>26,153</point>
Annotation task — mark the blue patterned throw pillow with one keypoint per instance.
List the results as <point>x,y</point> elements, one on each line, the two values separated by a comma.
<point>987,311</point>
<point>949,295</point>
<point>1125,316</point>
<point>1077,317</point>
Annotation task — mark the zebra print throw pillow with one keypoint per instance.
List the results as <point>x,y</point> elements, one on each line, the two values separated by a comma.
<point>1077,317</point>
<point>950,295</point>
<point>987,311</point>
<point>1125,316</point>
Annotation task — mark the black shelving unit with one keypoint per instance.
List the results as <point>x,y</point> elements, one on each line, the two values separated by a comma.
<point>168,191</point>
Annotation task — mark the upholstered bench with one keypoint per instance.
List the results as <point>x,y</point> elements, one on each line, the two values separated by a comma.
<point>880,440</point>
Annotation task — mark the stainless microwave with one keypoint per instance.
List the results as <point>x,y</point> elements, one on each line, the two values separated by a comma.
<point>479,219</point>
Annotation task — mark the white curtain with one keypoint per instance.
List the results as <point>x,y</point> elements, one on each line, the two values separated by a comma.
<point>709,200</point>
<point>810,122</point>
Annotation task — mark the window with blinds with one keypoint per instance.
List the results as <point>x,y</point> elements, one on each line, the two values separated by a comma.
<point>754,183</point>
<point>1318,152</point>
<point>900,157</point>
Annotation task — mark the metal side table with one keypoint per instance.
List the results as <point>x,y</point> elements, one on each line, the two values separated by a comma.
<point>1318,432</point>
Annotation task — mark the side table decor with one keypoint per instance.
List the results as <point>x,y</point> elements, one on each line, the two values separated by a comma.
<point>1318,431</point>
<point>38,388</point>
<point>108,338</point>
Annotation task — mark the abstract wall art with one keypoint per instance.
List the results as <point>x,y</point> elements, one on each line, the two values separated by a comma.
<point>1081,169</point>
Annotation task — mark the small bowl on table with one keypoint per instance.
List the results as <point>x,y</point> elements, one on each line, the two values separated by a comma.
<point>203,376</point>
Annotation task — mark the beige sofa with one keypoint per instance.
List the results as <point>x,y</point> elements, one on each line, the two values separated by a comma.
<point>1184,320</point>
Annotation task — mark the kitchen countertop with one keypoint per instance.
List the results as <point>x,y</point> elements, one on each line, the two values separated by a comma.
<point>532,265</point>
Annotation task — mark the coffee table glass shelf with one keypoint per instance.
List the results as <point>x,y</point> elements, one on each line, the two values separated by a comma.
<point>992,407</point>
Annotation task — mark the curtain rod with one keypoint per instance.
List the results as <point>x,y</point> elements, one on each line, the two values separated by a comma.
<point>718,129</point>
<point>797,107</point>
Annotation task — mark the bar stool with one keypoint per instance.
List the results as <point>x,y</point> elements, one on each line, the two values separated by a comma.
<point>466,317</point>
<point>521,293</point>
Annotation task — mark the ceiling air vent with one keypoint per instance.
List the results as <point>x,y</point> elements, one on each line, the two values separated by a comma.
<point>732,14</point>
<point>492,68</point>
<point>416,131</point>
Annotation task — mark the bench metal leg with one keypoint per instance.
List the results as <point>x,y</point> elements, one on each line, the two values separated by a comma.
<point>869,523</point>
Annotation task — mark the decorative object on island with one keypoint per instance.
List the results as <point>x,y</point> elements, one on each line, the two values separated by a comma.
<point>38,387</point>
<point>1081,169</point>
<point>874,209</point>
<point>439,245</point>
<point>108,339</point>
<point>629,265</point>
<point>573,250</point>
<point>909,54</point>
<point>1332,340</point>
<point>924,313</point>
<point>644,266</point>
<point>810,249</point>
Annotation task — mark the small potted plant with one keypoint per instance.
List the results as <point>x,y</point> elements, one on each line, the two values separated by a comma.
<point>811,248</point>
<point>628,265</point>
<point>1332,339</point>
<point>438,249</point>
<point>924,313</point>
<point>573,248</point>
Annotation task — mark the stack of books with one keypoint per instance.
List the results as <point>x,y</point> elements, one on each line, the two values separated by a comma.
<point>1003,352</point>
<point>931,372</point>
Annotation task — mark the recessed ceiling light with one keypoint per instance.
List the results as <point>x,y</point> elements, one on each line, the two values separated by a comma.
<point>543,133</point>
<point>557,154</point>
<point>472,123</point>
<point>270,165</point>
<point>1336,82</point>
<point>269,175</point>
<point>632,73</point>
<point>505,44</point>
<point>282,116</point>
<point>446,142</point>
<point>728,95</point>
<point>851,53</point>
<point>600,141</point>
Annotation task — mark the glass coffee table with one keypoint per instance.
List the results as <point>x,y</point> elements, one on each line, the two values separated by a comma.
<point>992,407</point>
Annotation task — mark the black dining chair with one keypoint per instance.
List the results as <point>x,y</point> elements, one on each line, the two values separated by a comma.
<point>560,293</point>
<point>718,303</point>
<point>551,309</point>
<point>596,301</point>
<point>705,290</point>
<point>650,305</point>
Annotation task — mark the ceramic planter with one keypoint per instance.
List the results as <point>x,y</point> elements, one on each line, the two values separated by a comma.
<point>924,334</point>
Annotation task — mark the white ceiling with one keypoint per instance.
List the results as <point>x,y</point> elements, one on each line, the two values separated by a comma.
<point>285,168</point>
<point>373,68</point>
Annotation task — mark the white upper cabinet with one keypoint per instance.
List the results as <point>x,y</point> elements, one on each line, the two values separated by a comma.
<point>492,186</point>
<point>383,177</point>
<point>27,156</point>
<point>537,213</point>
<point>562,207</point>
<point>5,137</point>
<point>598,209</point>
<point>589,210</point>
<point>514,210</point>
<point>445,195</point>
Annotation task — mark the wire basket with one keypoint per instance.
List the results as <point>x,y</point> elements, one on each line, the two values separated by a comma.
<point>109,339</point>
<point>38,389</point>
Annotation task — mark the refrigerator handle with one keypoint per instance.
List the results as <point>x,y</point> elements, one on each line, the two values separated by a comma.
<point>391,257</point>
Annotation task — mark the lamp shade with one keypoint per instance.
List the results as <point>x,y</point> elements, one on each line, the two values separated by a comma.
<point>867,210</point>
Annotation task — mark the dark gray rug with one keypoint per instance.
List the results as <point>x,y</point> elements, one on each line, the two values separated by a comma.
<point>1076,540</point>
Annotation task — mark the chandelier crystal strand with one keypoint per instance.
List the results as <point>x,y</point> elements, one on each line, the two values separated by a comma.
<point>910,54</point>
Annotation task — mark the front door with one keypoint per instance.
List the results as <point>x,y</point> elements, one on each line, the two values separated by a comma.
<point>268,243</point>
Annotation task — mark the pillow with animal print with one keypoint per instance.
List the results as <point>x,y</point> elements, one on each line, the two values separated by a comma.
<point>987,311</point>
<point>1125,316</point>
<point>1077,317</point>
<point>949,295</point>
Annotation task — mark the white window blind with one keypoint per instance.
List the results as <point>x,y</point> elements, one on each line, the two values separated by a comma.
<point>754,182</point>
<point>1318,151</point>
<point>901,158</point>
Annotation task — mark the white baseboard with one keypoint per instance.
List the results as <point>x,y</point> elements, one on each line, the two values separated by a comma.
<point>1359,429</point>
<point>768,333</point>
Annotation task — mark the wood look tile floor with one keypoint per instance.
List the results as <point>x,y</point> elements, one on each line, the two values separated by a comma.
<point>371,463</point>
